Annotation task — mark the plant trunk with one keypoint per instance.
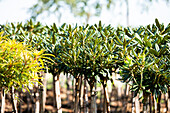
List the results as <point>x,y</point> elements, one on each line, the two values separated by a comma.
<point>93,107</point>
<point>68,87</point>
<point>145,103</point>
<point>145,107</point>
<point>14,101</point>
<point>101,98</point>
<point>81,93</point>
<point>20,102</point>
<point>104,102</point>
<point>166,102</point>
<point>133,98</point>
<point>153,103</point>
<point>43,93</point>
<point>133,102</point>
<point>77,94</point>
<point>54,92</point>
<point>159,104</point>
<point>57,96</point>
<point>3,100</point>
<point>112,94</point>
<point>73,94</point>
<point>32,98</point>
<point>125,98</point>
<point>36,95</point>
<point>41,100</point>
<point>106,106</point>
<point>150,103</point>
<point>137,104</point>
<point>85,97</point>
<point>28,102</point>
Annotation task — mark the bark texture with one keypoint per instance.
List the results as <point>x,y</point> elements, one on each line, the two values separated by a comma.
<point>13,100</point>
<point>85,97</point>
<point>57,93</point>
<point>93,107</point>
<point>77,94</point>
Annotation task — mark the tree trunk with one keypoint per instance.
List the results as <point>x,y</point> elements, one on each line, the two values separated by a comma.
<point>125,98</point>
<point>57,96</point>
<point>77,94</point>
<point>133,102</point>
<point>43,93</point>
<point>3,100</point>
<point>101,98</point>
<point>150,103</point>
<point>54,92</point>
<point>159,104</point>
<point>36,95</point>
<point>81,93</point>
<point>104,102</point>
<point>44,90</point>
<point>20,102</point>
<point>145,103</point>
<point>106,106</point>
<point>73,94</point>
<point>93,107</point>
<point>85,97</point>
<point>68,87</point>
<point>137,104</point>
<point>153,103</point>
<point>145,107</point>
<point>112,94</point>
<point>166,102</point>
<point>133,98</point>
<point>28,102</point>
<point>42,107</point>
<point>32,98</point>
<point>14,101</point>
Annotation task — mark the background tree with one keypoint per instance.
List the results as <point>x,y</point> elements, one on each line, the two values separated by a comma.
<point>82,8</point>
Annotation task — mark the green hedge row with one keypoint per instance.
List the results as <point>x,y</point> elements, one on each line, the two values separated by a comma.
<point>96,51</point>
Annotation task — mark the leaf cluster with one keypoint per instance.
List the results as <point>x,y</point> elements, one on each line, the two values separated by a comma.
<point>96,51</point>
<point>19,64</point>
<point>147,59</point>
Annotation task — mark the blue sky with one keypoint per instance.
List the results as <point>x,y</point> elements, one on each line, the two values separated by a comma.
<point>17,11</point>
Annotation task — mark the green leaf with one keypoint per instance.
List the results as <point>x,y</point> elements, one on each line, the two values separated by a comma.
<point>138,38</point>
<point>134,53</point>
<point>157,47</point>
<point>54,27</point>
<point>148,43</point>
<point>167,30</point>
<point>149,64</point>
<point>162,51</point>
<point>100,24</point>
<point>158,24</point>
<point>152,51</point>
<point>62,26</point>
<point>120,42</point>
<point>53,40</point>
